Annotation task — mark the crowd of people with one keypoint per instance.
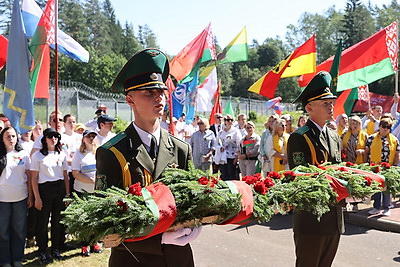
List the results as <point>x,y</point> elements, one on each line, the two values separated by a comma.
<point>61,159</point>
<point>40,168</point>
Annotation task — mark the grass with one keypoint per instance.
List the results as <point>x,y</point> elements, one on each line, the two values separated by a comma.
<point>72,258</point>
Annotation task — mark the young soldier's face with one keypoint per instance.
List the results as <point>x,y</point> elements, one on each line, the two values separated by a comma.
<point>322,109</point>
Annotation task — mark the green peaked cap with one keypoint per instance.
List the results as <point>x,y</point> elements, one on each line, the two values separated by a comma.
<point>147,69</point>
<point>317,89</point>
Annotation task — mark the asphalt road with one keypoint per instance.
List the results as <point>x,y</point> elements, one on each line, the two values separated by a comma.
<point>271,244</point>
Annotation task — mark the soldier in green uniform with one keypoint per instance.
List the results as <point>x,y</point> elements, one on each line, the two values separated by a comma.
<point>316,241</point>
<point>140,154</point>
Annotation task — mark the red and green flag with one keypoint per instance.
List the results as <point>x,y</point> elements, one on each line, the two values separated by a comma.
<point>3,51</point>
<point>365,62</point>
<point>235,51</point>
<point>185,65</point>
<point>301,61</point>
<point>228,109</point>
<point>217,108</point>
<point>40,50</point>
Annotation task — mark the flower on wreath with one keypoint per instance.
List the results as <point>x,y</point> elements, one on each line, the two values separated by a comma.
<point>321,167</point>
<point>342,169</point>
<point>385,165</point>
<point>368,180</point>
<point>269,182</point>
<point>289,175</point>
<point>122,205</point>
<point>251,179</point>
<point>274,175</point>
<point>203,180</point>
<point>349,164</point>
<point>214,181</point>
<point>135,189</point>
<point>260,187</point>
<point>376,169</point>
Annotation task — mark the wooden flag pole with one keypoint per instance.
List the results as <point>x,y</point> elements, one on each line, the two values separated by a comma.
<point>396,70</point>
<point>369,98</point>
<point>56,61</point>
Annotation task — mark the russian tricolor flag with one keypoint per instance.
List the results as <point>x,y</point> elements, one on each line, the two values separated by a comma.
<point>31,14</point>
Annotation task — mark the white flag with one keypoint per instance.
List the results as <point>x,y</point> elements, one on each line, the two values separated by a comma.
<point>206,91</point>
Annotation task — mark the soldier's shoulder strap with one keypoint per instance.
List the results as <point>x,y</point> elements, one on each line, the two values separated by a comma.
<point>113,141</point>
<point>303,130</point>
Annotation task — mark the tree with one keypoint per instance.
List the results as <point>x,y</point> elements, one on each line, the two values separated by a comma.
<point>5,18</point>
<point>147,38</point>
<point>358,23</point>
<point>130,44</point>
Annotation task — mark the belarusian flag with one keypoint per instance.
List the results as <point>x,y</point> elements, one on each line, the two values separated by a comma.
<point>235,51</point>
<point>365,62</point>
<point>199,50</point>
<point>301,61</point>
<point>40,49</point>
<point>347,99</point>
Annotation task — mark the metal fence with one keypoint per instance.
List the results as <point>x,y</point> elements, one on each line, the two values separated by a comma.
<point>81,100</point>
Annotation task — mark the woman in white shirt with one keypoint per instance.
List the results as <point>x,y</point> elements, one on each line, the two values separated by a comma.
<point>15,197</point>
<point>50,185</point>
<point>84,172</point>
<point>230,138</point>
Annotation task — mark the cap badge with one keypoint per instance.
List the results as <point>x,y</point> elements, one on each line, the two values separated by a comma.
<point>153,53</point>
<point>154,77</point>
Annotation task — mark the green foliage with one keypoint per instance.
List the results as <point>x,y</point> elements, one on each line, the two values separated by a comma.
<point>252,116</point>
<point>120,125</point>
<point>93,217</point>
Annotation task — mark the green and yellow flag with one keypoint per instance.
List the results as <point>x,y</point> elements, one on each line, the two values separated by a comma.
<point>235,51</point>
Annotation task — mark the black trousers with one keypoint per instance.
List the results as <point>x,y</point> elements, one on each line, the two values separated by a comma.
<point>229,170</point>
<point>32,222</point>
<point>52,195</point>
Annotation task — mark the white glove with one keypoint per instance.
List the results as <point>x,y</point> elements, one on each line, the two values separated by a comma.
<point>180,237</point>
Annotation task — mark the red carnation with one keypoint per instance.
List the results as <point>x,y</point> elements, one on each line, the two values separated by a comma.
<point>214,181</point>
<point>342,169</point>
<point>376,169</point>
<point>203,180</point>
<point>385,165</point>
<point>321,167</point>
<point>260,187</point>
<point>135,189</point>
<point>249,179</point>
<point>258,176</point>
<point>368,180</point>
<point>349,164</point>
<point>122,205</point>
<point>269,182</point>
<point>274,175</point>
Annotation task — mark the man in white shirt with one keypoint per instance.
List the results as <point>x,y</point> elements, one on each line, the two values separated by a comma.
<point>106,125</point>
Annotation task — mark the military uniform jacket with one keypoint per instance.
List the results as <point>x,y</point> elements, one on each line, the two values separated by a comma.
<point>172,152</point>
<point>306,146</point>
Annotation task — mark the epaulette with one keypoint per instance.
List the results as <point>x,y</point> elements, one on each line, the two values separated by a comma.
<point>302,130</point>
<point>114,140</point>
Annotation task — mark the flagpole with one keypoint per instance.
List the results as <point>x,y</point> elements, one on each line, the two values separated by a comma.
<point>396,74</point>
<point>56,60</point>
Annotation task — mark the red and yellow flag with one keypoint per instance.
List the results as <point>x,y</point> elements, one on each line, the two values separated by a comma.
<point>301,61</point>
<point>3,51</point>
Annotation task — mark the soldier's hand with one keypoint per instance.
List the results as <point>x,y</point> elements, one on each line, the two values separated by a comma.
<point>112,240</point>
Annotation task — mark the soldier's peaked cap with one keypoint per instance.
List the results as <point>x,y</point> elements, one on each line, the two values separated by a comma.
<point>317,89</point>
<point>147,69</point>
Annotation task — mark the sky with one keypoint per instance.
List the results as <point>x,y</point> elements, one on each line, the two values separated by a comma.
<point>177,22</point>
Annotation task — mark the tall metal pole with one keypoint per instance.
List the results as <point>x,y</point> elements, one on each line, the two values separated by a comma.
<point>396,69</point>
<point>56,61</point>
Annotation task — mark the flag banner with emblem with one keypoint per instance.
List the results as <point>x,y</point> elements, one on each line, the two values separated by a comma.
<point>278,108</point>
<point>179,98</point>
<point>206,92</point>
<point>3,51</point>
<point>18,103</point>
<point>301,61</point>
<point>40,50</point>
<point>228,109</point>
<point>217,108</point>
<point>365,62</point>
<point>235,51</point>
<point>199,50</point>
<point>190,102</point>
<point>31,14</point>
<point>363,93</point>
<point>334,71</point>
